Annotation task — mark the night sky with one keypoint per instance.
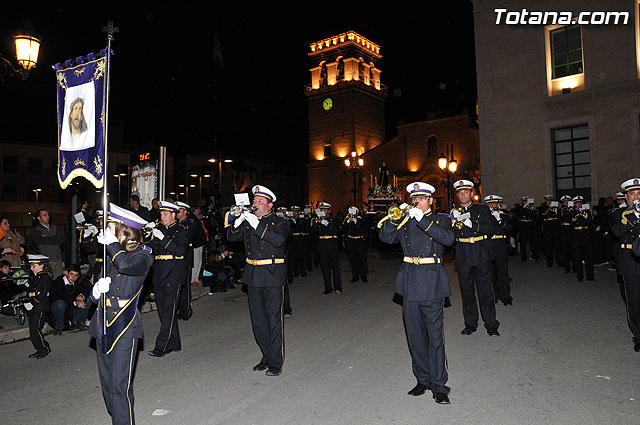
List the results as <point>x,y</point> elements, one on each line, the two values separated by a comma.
<point>164,79</point>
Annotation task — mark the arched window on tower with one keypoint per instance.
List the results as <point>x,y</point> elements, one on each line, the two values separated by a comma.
<point>340,69</point>
<point>432,146</point>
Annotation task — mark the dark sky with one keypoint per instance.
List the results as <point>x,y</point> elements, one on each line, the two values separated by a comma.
<point>164,78</point>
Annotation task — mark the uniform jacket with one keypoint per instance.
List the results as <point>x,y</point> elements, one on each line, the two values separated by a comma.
<point>500,239</point>
<point>327,235</point>
<point>266,242</point>
<point>39,289</point>
<point>127,271</point>
<point>549,217</point>
<point>527,216</point>
<point>424,239</point>
<point>174,243</point>
<point>482,225</point>
<point>623,226</point>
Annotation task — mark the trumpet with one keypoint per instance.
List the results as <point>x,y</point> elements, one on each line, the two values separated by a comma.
<point>636,205</point>
<point>347,218</point>
<point>237,210</point>
<point>397,214</point>
<point>458,224</point>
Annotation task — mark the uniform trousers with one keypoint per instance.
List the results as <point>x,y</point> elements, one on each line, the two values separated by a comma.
<point>36,322</point>
<point>296,256</point>
<point>265,306</point>
<point>423,321</point>
<point>330,266</point>
<point>116,375</point>
<point>307,253</point>
<point>582,250</point>
<point>478,276</point>
<point>357,252</point>
<point>632,293</point>
<point>551,247</point>
<point>184,297</point>
<point>500,278</point>
<point>527,234</point>
<point>566,254</point>
<point>166,295</point>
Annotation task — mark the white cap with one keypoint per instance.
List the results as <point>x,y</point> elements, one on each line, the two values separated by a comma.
<point>620,195</point>
<point>182,205</point>
<point>565,198</point>
<point>463,184</point>
<point>37,258</point>
<point>420,189</point>
<point>324,205</point>
<point>353,211</point>
<point>126,217</point>
<point>264,192</point>
<point>578,198</point>
<point>548,197</point>
<point>492,199</point>
<point>167,206</point>
<point>631,184</point>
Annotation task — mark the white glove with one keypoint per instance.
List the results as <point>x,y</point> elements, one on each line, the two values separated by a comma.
<point>101,287</point>
<point>293,220</point>
<point>353,210</point>
<point>251,219</point>
<point>403,206</point>
<point>238,221</point>
<point>496,214</point>
<point>106,239</point>
<point>150,225</point>
<point>324,222</point>
<point>158,234</point>
<point>416,213</point>
<point>352,220</point>
<point>28,306</point>
<point>467,223</point>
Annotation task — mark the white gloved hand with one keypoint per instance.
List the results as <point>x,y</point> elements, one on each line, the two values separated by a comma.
<point>150,225</point>
<point>324,222</point>
<point>403,206</point>
<point>293,220</point>
<point>496,214</point>
<point>352,220</point>
<point>106,239</point>
<point>28,306</point>
<point>416,213</point>
<point>251,219</point>
<point>353,210</point>
<point>158,234</point>
<point>86,232</point>
<point>101,287</point>
<point>238,221</point>
<point>468,223</point>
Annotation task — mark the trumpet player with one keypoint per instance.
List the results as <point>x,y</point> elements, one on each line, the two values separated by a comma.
<point>473,257</point>
<point>624,226</point>
<point>527,217</point>
<point>328,229</point>
<point>581,229</point>
<point>265,236</point>
<point>550,228</point>
<point>355,229</point>
<point>500,251</point>
<point>566,237</point>
<point>423,284</point>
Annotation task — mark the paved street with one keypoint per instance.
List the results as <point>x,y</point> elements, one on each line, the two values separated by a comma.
<point>565,357</point>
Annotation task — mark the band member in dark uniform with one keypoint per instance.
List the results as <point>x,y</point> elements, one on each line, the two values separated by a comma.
<point>38,304</point>
<point>190,225</point>
<point>310,240</point>
<point>621,203</point>
<point>582,249</point>
<point>473,257</point>
<point>355,231</point>
<point>117,325</point>
<point>566,235</point>
<point>169,242</point>
<point>527,218</point>
<point>550,229</point>
<point>265,236</point>
<point>423,284</point>
<point>297,242</point>
<point>327,228</point>
<point>500,251</point>
<point>624,225</point>
<point>90,243</point>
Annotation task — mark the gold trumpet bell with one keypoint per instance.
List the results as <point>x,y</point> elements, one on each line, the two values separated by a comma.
<point>458,225</point>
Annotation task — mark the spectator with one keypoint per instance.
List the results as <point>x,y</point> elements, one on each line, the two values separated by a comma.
<point>5,270</point>
<point>11,249</point>
<point>214,275</point>
<point>47,239</point>
<point>70,300</point>
<point>134,205</point>
<point>154,212</point>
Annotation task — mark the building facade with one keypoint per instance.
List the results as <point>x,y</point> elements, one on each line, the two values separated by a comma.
<point>558,96</point>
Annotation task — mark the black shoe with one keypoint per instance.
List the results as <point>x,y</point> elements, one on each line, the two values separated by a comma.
<point>156,353</point>
<point>273,371</point>
<point>34,355</point>
<point>57,332</point>
<point>591,279</point>
<point>549,266</point>
<point>171,350</point>
<point>365,280</point>
<point>507,302</point>
<point>441,398</point>
<point>354,280</point>
<point>418,390</point>
<point>468,330</point>
<point>327,292</point>
<point>303,275</point>
<point>580,279</point>
<point>493,332</point>
<point>42,354</point>
<point>260,367</point>
<point>447,302</point>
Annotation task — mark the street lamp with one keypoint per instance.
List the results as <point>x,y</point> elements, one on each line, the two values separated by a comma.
<point>119,177</point>
<point>27,49</point>
<point>37,191</point>
<point>354,164</point>
<point>449,166</point>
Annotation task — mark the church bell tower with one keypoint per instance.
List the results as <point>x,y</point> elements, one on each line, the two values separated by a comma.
<point>346,112</point>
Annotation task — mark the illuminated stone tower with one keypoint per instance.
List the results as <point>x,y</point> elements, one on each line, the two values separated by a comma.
<point>346,112</point>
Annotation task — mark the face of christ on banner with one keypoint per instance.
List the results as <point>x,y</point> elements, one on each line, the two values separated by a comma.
<point>78,131</point>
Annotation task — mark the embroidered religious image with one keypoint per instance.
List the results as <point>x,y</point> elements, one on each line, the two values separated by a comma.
<point>78,122</point>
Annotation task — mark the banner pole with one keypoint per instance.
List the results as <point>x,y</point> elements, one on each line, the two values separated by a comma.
<point>110,30</point>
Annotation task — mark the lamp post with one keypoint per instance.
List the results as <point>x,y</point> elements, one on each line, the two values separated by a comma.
<point>37,191</point>
<point>354,164</point>
<point>119,177</point>
<point>449,166</point>
<point>27,49</point>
